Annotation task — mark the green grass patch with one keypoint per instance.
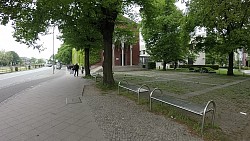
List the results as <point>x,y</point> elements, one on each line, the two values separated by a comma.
<point>230,100</point>
<point>178,70</point>
<point>106,88</point>
<point>224,72</point>
<point>177,87</point>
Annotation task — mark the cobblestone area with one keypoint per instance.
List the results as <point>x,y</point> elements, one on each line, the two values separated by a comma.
<point>122,120</point>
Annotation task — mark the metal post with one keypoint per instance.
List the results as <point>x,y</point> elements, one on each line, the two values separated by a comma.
<point>113,54</point>
<point>53,51</point>
<point>131,53</point>
<point>122,53</point>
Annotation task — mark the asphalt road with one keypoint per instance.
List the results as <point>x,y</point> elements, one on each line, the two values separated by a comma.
<point>13,83</point>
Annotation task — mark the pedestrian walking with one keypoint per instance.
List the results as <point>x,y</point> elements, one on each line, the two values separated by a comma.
<point>76,69</point>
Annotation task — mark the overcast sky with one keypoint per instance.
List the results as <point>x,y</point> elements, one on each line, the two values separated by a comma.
<point>8,43</point>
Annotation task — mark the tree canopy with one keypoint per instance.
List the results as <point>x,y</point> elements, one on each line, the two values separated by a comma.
<point>64,54</point>
<point>163,33</point>
<point>226,24</point>
<point>14,57</point>
<point>30,18</point>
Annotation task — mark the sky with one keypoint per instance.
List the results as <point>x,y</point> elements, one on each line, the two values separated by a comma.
<point>8,43</point>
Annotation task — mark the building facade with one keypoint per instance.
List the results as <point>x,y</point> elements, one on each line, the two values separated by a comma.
<point>125,54</point>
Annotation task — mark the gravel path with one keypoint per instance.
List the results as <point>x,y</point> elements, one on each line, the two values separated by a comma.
<point>122,120</point>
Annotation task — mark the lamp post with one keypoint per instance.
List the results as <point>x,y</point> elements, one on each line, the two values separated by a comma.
<point>53,64</point>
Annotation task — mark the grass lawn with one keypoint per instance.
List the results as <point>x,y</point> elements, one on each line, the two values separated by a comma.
<point>232,98</point>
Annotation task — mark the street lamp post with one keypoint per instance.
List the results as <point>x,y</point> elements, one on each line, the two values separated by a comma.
<point>53,51</point>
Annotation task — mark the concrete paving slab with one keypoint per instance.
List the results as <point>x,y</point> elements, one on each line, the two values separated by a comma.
<point>45,115</point>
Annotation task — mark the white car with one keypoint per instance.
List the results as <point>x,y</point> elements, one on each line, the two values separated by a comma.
<point>48,65</point>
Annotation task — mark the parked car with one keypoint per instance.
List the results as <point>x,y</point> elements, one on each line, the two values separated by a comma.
<point>58,65</point>
<point>48,65</point>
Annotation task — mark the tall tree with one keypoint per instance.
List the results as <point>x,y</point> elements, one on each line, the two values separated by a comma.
<point>35,16</point>
<point>226,24</point>
<point>15,59</point>
<point>126,29</point>
<point>5,58</point>
<point>41,61</point>
<point>64,54</point>
<point>33,60</point>
<point>162,34</point>
<point>81,33</point>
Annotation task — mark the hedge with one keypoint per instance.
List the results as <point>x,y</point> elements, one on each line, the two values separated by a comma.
<point>215,67</point>
<point>151,65</point>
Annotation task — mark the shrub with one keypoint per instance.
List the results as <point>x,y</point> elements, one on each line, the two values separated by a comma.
<point>215,67</point>
<point>151,65</point>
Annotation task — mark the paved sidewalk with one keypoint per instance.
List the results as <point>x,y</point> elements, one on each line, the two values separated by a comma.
<point>122,119</point>
<point>41,113</point>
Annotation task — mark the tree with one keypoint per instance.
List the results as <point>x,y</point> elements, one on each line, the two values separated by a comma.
<point>41,61</point>
<point>34,17</point>
<point>33,61</point>
<point>5,58</point>
<point>15,59</point>
<point>213,57</point>
<point>226,24</point>
<point>64,54</point>
<point>126,30</point>
<point>82,34</point>
<point>162,34</point>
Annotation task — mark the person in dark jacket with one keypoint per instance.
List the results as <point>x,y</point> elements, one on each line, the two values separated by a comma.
<point>76,69</point>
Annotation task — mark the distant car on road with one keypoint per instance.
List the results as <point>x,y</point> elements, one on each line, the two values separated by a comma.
<point>58,65</point>
<point>48,65</point>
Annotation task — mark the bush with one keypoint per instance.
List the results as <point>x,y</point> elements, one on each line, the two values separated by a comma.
<point>207,70</point>
<point>151,65</point>
<point>16,68</point>
<point>215,67</point>
<point>194,69</point>
<point>202,69</point>
<point>94,57</point>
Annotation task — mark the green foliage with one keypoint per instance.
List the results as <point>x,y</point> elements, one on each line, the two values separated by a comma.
<point>33,61</point>
<point>75,56</point>
<point>202,69</point>
<point>95,56</point>
<point>40,61</point>
<point>215,67</point>
<point>15,59</point>
<point>126,30</point>
<point>151,65</point>
<point>82,23</point>
<point>64,54</point>
<point>106,88</point>
<point>162,34</point>
<point>4,58</point>
<point>216,58</point>
<point>226,24</point>
<point>194,69</point>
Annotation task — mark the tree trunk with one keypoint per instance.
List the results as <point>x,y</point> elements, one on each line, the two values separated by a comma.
<point>230,64</point>
<point>175,65</point>
<point>86,62</point>
<point>108,24</point>
<point>164,65</point>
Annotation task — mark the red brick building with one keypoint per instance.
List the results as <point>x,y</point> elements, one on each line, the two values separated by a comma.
<point>131,54</point>
<point>126,47</point>
<point>125,54</point>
